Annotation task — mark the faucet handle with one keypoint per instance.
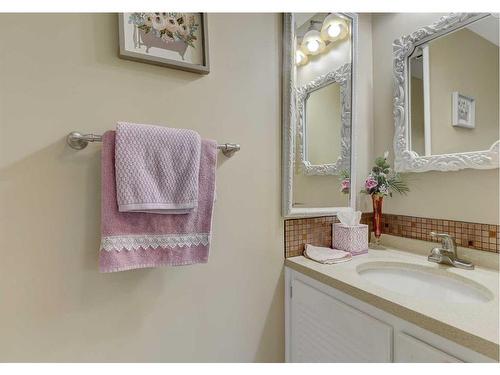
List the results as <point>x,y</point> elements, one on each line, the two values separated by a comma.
<point>450,253</point>
<point>447,240</point>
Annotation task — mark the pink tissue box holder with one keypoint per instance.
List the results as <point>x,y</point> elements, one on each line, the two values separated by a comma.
<point>351,238</point>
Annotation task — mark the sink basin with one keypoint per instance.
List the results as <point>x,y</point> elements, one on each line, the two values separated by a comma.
<point>424,282</point>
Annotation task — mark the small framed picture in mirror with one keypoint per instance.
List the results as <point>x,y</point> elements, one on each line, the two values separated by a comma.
<point>464,111</point>
<point>174,40</point>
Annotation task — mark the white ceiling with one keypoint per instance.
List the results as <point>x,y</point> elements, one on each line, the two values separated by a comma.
<point>303,18</point>
<point>488,28</point>
<point>303,22</point>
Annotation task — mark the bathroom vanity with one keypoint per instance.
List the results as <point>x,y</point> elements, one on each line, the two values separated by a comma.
<point>390,306</point>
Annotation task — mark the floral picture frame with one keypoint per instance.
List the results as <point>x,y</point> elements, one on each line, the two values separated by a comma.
<point>174,40</point>
<point>464,111</point>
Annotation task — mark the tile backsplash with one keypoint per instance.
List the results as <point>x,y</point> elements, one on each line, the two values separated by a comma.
<point>477,236</point>
<point>318,231</point>
<point>314,230</point>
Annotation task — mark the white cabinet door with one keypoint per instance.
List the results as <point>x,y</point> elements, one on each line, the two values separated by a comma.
<point>324,329</point>
<point>409,349</point>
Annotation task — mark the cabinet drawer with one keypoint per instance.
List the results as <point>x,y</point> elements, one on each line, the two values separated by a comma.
<point>409,349</point>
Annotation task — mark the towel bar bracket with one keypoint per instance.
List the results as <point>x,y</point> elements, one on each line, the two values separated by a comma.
<point>79,141</point>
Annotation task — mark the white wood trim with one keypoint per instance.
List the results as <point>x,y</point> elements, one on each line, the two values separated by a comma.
<point>354,107</point>
<point>288,330</point>
<point>427,100</point>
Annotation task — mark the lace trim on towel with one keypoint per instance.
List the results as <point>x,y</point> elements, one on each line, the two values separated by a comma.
<point>145,241</point>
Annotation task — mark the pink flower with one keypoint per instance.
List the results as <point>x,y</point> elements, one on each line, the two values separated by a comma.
<point>370,183</point>
<point>345,185</point>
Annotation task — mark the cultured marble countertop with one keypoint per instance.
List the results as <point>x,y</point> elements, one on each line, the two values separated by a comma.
<point>472,325</point>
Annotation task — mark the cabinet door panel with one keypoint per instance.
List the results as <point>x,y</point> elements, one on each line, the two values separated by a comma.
<point>324,329</point>
<point>408,349</point>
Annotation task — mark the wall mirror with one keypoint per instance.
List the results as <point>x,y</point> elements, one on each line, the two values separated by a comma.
<point>319,55</point>
<point>324,123</point>
<point>446,98</point>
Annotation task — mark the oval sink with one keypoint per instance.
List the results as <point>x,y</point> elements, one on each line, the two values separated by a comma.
<point>424,282</point>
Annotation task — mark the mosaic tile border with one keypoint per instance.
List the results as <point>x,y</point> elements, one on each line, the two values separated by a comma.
<point>318,231</point>
<point>477,236</point>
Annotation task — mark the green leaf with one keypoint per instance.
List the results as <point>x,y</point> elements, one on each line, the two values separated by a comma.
<point>398,184</point>
<point>344,174</point>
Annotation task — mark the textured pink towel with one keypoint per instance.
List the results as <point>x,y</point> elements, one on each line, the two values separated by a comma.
<point>137,240</point>
<point>156,168</point>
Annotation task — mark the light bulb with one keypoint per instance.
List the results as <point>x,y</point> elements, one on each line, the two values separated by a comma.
<point>334,28</point>
<point>312,44</point>
<point>300,58</point>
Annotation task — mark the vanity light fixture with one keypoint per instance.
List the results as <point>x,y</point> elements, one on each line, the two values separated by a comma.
<point>334,28</point>
<point>312,44</point>
<point>300,58</point>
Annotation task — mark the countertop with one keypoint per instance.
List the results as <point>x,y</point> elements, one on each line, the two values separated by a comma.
<point>472,325</point>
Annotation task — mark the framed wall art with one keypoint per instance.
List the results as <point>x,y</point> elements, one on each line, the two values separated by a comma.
<point>464,111</point>
<point>175,40</point>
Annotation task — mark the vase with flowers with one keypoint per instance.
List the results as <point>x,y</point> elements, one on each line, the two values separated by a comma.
<point>345,181</point>
<point>382,181</point>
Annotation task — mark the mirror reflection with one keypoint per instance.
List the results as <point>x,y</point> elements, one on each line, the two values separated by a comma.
<point>454,92</point>
<point>323,125</point>
<point>322,80</point>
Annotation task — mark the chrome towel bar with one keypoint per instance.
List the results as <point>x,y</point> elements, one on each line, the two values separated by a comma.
<point>79,141</point>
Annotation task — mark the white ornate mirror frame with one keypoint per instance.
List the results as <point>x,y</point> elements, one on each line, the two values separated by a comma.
<point>342,76</point>
<point>406,160</point>
<point>289,114</point>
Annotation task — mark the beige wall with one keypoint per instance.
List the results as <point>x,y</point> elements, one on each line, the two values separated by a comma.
<point>60,73</point>
<point>468,195</point>
<point>318,191</point>
<point>323,125</point>
<point>454,66</point>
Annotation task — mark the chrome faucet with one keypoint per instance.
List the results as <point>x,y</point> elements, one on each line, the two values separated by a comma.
<point>447,254</point>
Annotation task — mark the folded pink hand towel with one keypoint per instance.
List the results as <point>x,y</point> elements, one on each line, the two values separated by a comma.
<point>156,168</point>
<point>137,240</point>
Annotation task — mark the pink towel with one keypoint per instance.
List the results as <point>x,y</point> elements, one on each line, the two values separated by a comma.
<point>137,240</point>
<point>156,168</point>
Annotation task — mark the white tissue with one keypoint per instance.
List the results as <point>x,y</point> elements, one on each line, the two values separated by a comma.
<point>349,217</point>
